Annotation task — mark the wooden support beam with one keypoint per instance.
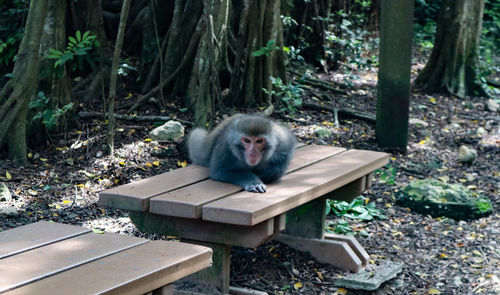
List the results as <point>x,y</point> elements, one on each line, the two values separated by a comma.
<point>336,253</point>
<point>199,230</point>
<point>219,274</point>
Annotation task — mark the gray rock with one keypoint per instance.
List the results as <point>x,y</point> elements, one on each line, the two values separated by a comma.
<point>453,126</point>
<point>492,105</point>
<point>466,154</point>
<point>437,198</point>
<point>5,195</point>
<point>321,132</point>
<point>170,131</point>
<point>481,131</point>
<point>418,122</point>
<point>9,211</point>
<point>371,277</point>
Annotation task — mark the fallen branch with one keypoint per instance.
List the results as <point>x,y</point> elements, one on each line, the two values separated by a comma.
<point>493,83</point>
<point>318,83</point>
<point>94,115</point>
<point>342,112</point>
<point>97,115</point>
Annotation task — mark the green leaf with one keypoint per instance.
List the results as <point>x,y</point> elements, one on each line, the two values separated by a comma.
<point>72,39</point>
<point>259,52</point>
<point>78,36</point>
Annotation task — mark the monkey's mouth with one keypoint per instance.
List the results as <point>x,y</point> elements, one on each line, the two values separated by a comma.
<point>253,161</point>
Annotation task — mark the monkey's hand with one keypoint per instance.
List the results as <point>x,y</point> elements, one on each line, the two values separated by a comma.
<point>256,188</point>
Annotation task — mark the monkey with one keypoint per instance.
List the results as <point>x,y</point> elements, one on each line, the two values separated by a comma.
<point>246,150</point>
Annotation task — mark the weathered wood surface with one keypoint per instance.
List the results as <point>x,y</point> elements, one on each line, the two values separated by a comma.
<point>35,235</point>
<point>92,263</point>
<point>135,195</point>
<point>295,189</point>
<point>188,201</point>
<point>214,232</point>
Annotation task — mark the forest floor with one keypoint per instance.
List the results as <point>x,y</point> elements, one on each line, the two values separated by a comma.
<point>440,255</point>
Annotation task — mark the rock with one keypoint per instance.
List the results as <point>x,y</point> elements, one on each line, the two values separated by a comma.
<point>371,277</point>
<point>9,211</point>
<point>321,132</point>
<point>492,105</point>
<point>481,131</point>
<point>466,154</point>
<point>418,122</point>
<point>453,126</point>
<point>170,131</point>
<point>5,195</point>
<point>437,198</point>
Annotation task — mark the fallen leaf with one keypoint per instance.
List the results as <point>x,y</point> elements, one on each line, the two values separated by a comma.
<point>433,291</point>
<point>297,285</point>
<point>7,174</point>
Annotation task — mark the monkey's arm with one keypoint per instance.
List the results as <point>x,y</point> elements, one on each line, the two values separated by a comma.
<point>248,180</point>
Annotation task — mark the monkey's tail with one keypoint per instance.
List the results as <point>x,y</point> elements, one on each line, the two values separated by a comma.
<point>199,151</point>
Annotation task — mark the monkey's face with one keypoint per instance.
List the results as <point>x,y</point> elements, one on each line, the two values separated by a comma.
<point>254,147</point>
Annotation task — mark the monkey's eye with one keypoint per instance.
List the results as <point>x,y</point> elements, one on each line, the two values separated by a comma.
<point>259,141</point>
<point>246,140</point>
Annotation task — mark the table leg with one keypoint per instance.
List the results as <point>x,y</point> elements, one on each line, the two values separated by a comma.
<point>305,231</point>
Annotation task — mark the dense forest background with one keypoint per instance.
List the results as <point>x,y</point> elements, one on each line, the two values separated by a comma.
<point>83,83</point>
<point>204,57</point>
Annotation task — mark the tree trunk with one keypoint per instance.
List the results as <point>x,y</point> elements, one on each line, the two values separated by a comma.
<point>114,72</point>
<point>393,91</point>
<point>16,94</point>
<point>208,48</point>
<point>452,65</point>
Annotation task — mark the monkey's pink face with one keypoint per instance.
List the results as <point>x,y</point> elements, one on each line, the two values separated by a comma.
<point>254,146</point>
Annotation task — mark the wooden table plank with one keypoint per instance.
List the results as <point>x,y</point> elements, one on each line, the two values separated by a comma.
<point>295,189</point>
<point>45,261</point>
<point>34,235</point>
<point>188,201</point>
<point>137,270</point>
<point>135,195</point>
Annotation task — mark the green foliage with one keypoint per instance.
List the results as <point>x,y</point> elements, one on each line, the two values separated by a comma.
<point>424,35</point>
<point>358,209</point>
<point>290,94</point>
<point>489,48</point>
<point>78,46</point>
<point>266,50</point>
<point>293,54</point>
<point>340,226</point>
<point>387,175</point>
<point>351,42</point>
<point>49,115</point>
<point>8,49</point>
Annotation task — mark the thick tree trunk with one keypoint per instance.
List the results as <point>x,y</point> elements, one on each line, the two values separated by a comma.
<point>208,51</point>
<point>452,65</point>
<point>393,89</point>
<point>16,94</point>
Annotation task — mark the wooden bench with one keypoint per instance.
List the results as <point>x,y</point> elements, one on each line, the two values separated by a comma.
<point>186,203</point>
<point>51,258</point>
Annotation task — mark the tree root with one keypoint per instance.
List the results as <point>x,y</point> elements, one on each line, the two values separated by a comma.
<point>342,112</point>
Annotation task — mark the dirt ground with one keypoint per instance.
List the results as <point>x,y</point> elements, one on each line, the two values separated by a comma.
<point>440,255</point>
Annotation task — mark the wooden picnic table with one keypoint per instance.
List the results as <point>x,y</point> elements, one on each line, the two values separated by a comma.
<point>184,202</point>
<point>53,258</point>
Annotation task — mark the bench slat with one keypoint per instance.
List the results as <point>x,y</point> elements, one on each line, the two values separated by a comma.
<point>295,189</point>
<point>135,195</point>
<point>134,271</point>
<point>188,201</point>
<point>34,235</point>
<point>44,261</point>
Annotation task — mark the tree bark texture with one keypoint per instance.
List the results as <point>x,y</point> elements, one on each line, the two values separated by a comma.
<point>452,65</point>
<point>207,51</point>
<point>17,92</point>
<point>393,91</point>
